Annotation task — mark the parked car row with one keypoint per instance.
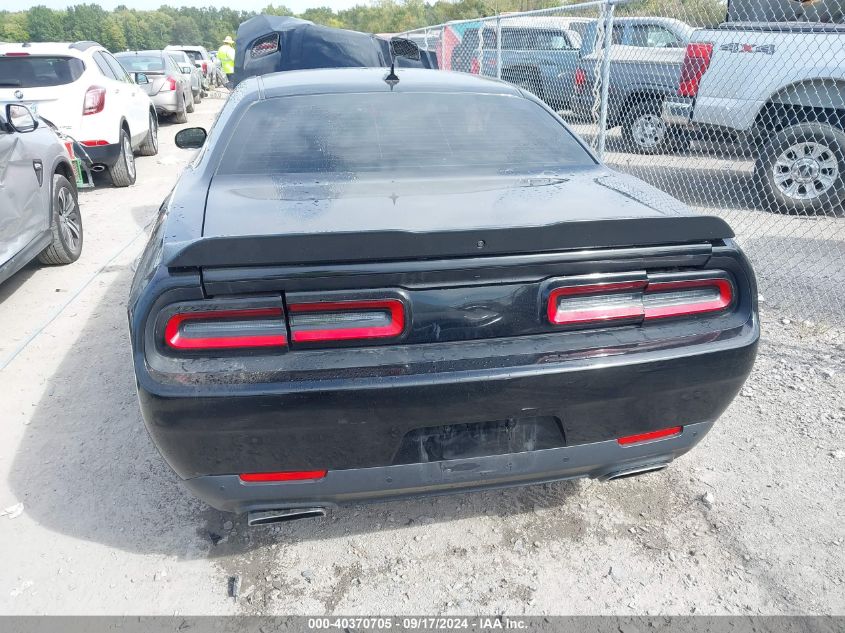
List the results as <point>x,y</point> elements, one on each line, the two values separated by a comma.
<point>70,107</point>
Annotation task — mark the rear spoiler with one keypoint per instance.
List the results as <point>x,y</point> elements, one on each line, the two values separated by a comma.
<point>375,246</point>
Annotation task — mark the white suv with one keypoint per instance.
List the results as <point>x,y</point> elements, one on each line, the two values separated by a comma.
<point>88,95</point>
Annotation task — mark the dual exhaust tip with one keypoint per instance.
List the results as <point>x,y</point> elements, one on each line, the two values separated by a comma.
<point>269,517</point>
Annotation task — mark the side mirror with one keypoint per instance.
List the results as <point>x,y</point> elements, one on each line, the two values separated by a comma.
<point>191,138</point>
<point>402,47</point>
<point>20,119</point>
<point>141,79</point>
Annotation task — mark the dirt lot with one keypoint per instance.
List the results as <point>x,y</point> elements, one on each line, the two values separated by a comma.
<point>752,521</point>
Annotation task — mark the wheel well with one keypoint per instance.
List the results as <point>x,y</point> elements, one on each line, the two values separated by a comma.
<point>773,116</point>
<point>642,96</point>
<point>125,126</point>
<point>64,169</point>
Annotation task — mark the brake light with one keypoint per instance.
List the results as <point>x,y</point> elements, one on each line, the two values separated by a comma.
<point>17,54</point>
<point>596,303</point>
<point>265,46</point>
<point>686,297</point>
<point>169,84</point>
<point>226,329</point>
<point>95,100</point>
<point>637,300</point>
<point>346,320</point>
<point>580,80</point>
<point>204,67</point>
<point>695,64</point>
<point>651,436</point>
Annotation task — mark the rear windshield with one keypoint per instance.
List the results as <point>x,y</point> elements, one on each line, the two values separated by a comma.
<point>36,71</point>
<point>414,133</point>
<point>194,55</point>
<point>141,63</point>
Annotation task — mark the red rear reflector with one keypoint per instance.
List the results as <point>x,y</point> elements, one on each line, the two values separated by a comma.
<point>97,143</point>
<point>226,329</point>
<point>95,100</point>
<point>346,320</point>
<point>684,298</point>
<point>290,475</point>
<point>596,303</point>
<point>650,436</point>
<point>695,64</point>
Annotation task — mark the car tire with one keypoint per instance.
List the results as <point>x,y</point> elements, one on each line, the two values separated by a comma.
<point>190,107</point>
<point>123,172</point>
<point>182,115</point>
<point>801,169</point>
<point>198,97</point>
<point>643,129</point>
<point>150,145</point>
<point>65,224</point>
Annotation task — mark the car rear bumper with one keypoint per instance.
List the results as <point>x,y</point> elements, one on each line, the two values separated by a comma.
<point>677,112</point>
<point>603,460</point>
<point>354,427</point>
<point>104,154</point>
<point>167,102</point>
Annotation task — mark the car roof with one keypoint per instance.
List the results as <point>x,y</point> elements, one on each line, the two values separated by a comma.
<point>128,53</point>
<point>184,47</point>
<point>349,80</point>
<point>66,49</point>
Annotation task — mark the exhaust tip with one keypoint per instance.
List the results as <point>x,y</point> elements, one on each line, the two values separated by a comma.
<point>637,470</point>
<point>98,168</point>
<point>267,517</point>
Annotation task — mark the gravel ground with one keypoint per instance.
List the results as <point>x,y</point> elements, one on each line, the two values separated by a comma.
<point>750,522</point>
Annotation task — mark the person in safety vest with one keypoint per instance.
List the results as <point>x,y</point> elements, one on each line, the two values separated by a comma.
<point>226,55</point>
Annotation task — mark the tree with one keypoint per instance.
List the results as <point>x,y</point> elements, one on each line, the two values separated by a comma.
<point>13,27</point>
<point>185,31</point>
<point>45,25</point>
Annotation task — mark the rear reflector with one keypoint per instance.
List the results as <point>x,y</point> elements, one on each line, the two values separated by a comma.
<point>346,320</point>
<point>596,303</point>
<point>638,300</point>
<point>226,329</point>
<point>580,80</point>
<point>290,475</point>
<point>641,438</point>
<point>97,143</point>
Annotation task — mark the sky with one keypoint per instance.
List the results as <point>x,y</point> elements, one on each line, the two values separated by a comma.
<point>297,6</point>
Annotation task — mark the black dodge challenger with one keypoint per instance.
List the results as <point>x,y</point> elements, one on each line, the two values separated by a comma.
<point>365,289</point>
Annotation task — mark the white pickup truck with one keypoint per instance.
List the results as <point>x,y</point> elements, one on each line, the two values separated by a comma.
<point>780,85</point>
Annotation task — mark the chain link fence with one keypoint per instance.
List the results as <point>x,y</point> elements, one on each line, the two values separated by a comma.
<point>736,108</point>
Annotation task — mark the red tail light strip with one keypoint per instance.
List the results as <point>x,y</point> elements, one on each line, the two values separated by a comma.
<point>641,438</point>
<point>695,64</point>
<point>310,333</point>
<point>686,309</point>
<point>175,338</point>
<point>559,316</point>
<point>289,475</point>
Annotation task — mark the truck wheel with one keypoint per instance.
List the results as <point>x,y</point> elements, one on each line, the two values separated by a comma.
<point>802,169</point>
<point>644,131</point>
<point>123,171</point>
<point>150,145</point>
<point>65,223</point>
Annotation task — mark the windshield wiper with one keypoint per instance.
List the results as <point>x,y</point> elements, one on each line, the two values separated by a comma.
<point>11,83</point>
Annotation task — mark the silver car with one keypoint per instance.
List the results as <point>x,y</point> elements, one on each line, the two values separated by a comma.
<point>160,77</point>
<point>186,65</point>
<point>39,210</point>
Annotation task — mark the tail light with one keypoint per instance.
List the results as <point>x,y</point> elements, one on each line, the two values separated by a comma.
<point>16,54</point>
<point>642,438</point>
<point>95,100</point>
<point>474,66</point>
<point>169,85</point>
<point>586,302</point>
<point>580,80</point>
<point>695,64</point>
<point>226,329</point>
<point>204,67</point>
<point>346,320</point>
<point>265,46</point>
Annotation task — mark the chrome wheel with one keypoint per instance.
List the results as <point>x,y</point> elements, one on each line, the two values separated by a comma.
<point>805,171</point>
<point>70,222</point>
<point>129,156</point>
<point>648,131</point>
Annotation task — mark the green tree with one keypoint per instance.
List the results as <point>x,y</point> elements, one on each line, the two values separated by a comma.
<point>45,25</point>
<point>13,27</point>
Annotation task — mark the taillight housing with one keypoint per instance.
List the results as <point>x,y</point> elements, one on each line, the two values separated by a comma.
<point>580,80</point>
<point>168,85</point>
<point>222,329</point>
<point>629,299</point>
<point>95,100</point>
<point>695,64</point>
<point>264,46</point>
<point>204,68</point>
<point>352,320</point>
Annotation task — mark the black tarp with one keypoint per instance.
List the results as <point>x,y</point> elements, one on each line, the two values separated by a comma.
<point>304,45</point>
